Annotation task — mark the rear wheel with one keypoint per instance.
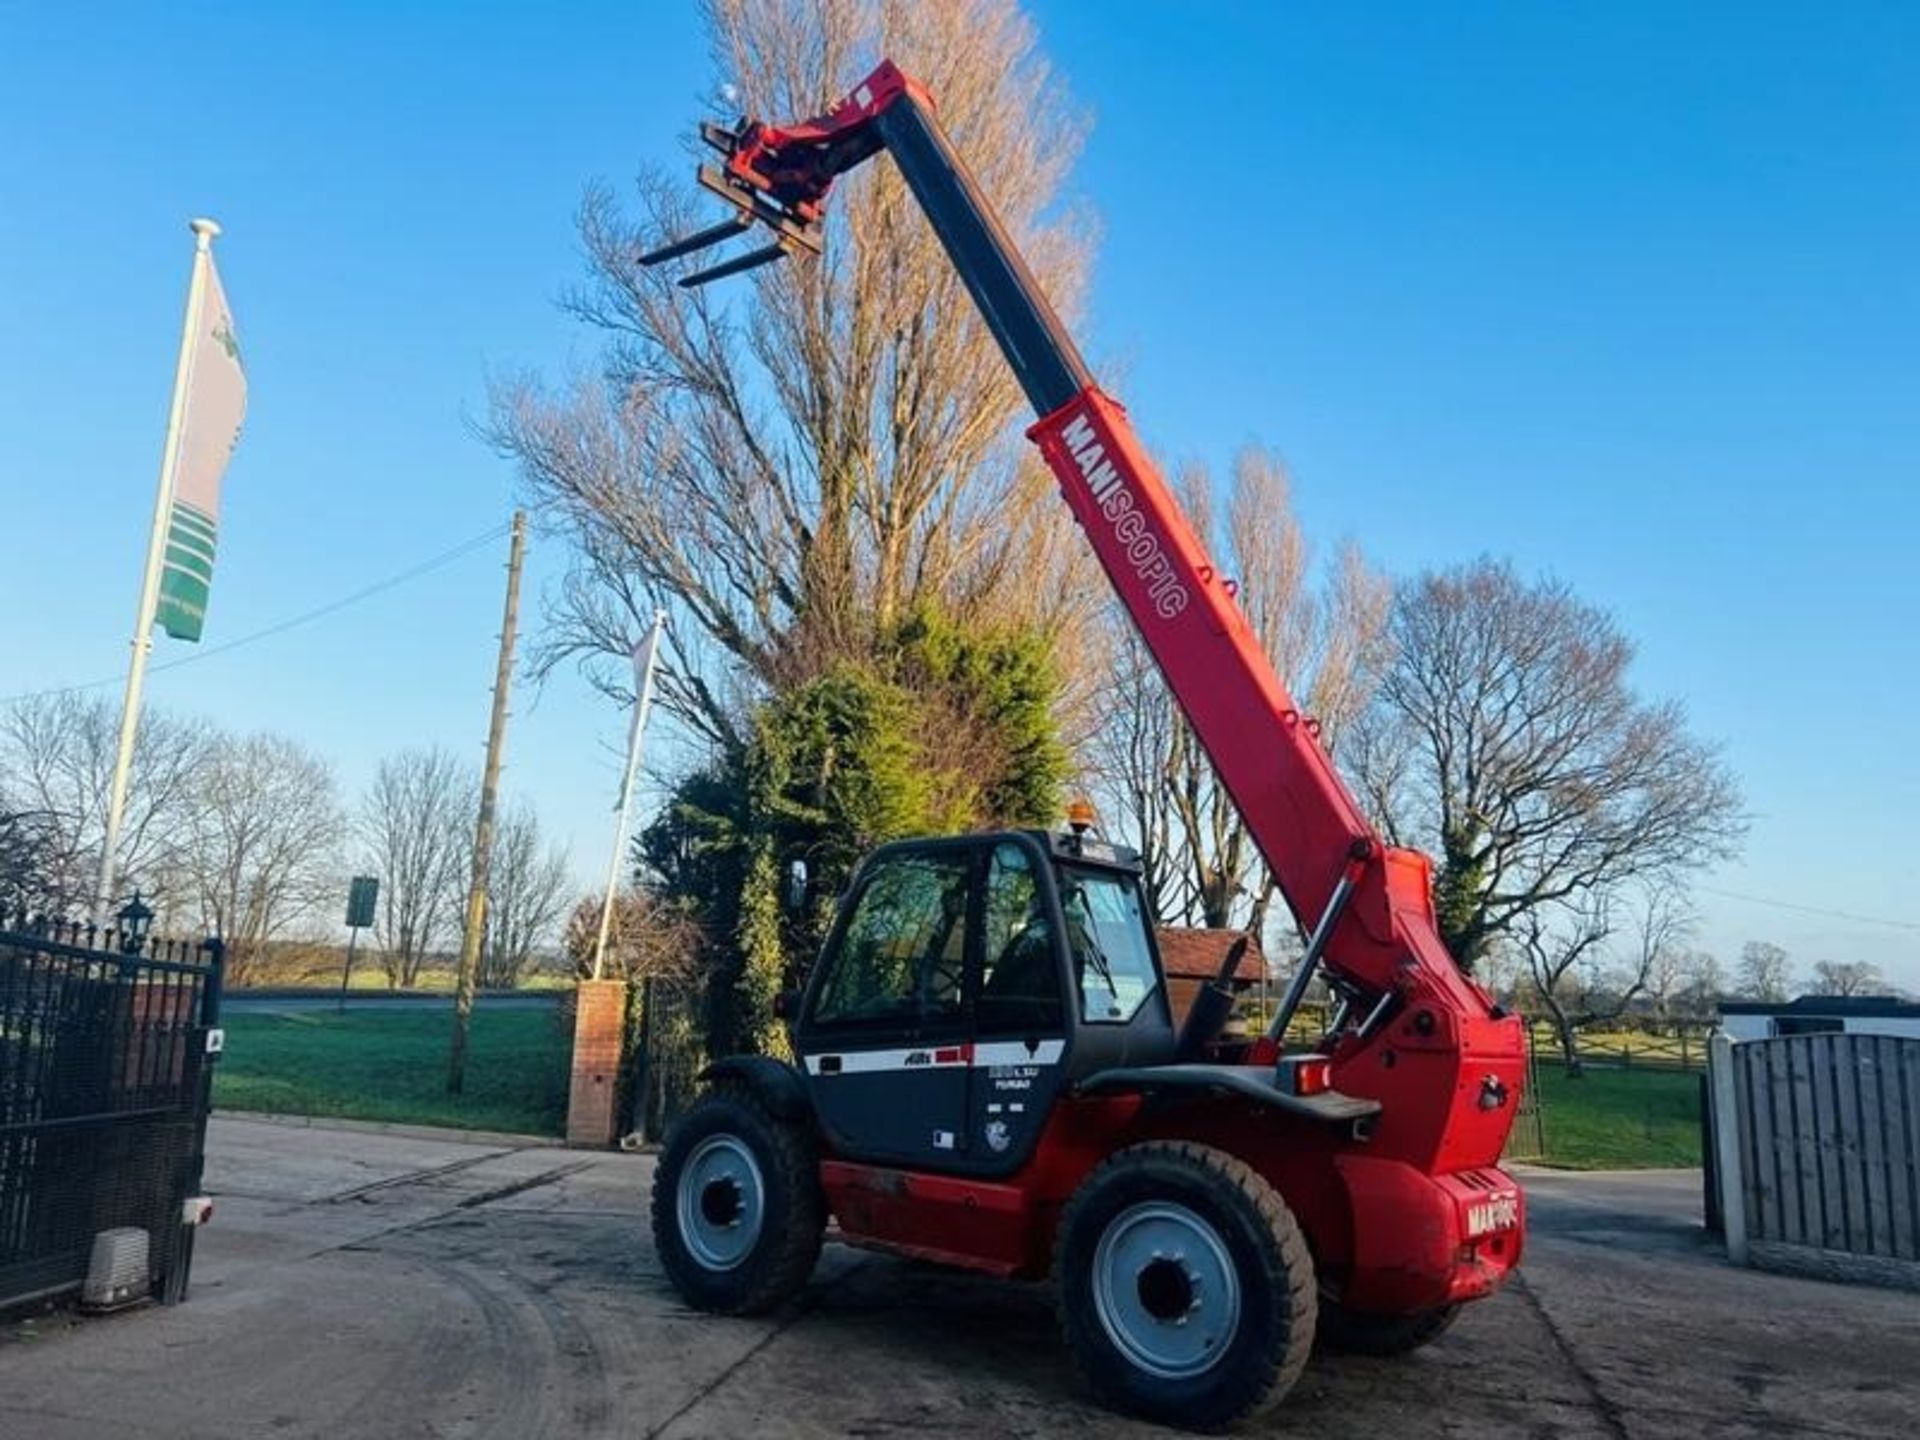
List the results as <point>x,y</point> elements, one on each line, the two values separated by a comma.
<point>1185,1288</point>
<point>737,1209</point>
<point>1360,1332</point>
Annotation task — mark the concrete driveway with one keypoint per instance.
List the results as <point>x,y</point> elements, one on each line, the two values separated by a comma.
<point>385,1283</point>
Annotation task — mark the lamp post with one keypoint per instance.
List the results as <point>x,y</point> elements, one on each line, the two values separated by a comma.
<point>135,917</point>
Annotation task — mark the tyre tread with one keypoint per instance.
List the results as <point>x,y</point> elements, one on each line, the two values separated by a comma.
<point>796,1163</point>
<point>1280,1370</point>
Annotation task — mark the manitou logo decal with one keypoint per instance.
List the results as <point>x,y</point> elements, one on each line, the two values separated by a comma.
<point>1500,1213</point>
<point>1142,546</point>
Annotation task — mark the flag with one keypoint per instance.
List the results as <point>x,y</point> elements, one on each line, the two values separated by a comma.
<point>216,404</point>
<point>643,655</point>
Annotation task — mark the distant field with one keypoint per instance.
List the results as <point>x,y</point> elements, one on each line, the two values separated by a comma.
<point>1621,1119</point>
<point>391,1065</point>
<point>367,975</point>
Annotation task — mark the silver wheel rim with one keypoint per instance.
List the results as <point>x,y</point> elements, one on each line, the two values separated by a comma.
<point>722,1202</point>
<point>1165,1290</point>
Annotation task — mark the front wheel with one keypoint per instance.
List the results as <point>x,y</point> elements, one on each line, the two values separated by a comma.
<point>737,1209</point>
<point>1185,1287</point>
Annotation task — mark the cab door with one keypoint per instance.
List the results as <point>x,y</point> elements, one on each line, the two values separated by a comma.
<point>882,1033</point>
<point>1019,1011</point>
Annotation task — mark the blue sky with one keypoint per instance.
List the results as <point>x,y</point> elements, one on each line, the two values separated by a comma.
<point>1627,293</point>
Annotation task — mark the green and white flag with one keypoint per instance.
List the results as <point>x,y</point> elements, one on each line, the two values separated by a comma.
<point>645,655</point>
<point>216,405</point>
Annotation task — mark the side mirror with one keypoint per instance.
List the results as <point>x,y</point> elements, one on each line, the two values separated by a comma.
<point>786,1005</point>
<point>793,894</point>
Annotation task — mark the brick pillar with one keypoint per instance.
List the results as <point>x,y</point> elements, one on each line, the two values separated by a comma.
<point>599,1013</point>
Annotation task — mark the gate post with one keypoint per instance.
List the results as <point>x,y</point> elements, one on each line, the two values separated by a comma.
<point>599,1026</point>
<point>1726,1144</point>
<point>212,1042</point>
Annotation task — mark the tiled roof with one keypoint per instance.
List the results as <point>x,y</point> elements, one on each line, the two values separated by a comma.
<point>1191,954</point>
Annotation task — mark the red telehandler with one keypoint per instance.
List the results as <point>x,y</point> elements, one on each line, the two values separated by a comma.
<point>987,1070</point>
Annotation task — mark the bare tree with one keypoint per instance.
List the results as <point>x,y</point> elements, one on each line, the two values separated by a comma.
<point>1131,759</point>
<point>1508,742</point>
<point>1847,977</point>
<point>1703,985</point>
<point>56,763</point>
<point>265,847</point>
<point>649,937</point>
<point>1326,639</point>
<point>1766,972</point>
<point>29,844</point>
<point>1668,974</point>
<point>1588,962</point>
<point>786,474</point>
<point>526,891</point>
<point>415,825</point>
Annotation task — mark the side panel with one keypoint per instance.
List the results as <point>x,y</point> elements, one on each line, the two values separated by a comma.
<point>1011,1090</point>
<point>959,1106</point>
<point>1003,1227</point>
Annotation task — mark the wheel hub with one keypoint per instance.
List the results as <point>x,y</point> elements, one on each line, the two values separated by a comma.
<point>721,1202</point>
<point>1165,1290</point>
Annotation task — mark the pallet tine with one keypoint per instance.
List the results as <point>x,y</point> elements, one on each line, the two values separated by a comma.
<point>752,260</point>
<point>700,239</point>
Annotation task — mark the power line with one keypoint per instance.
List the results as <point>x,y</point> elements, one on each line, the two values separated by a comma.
<point>1812,909</point>
<point>445,557</point>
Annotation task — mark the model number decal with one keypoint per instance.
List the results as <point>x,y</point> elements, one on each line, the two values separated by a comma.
<point>1502,1212</point>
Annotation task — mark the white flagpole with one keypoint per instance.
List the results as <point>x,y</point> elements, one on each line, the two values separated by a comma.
<point>203,233</point>
<point>641,706</point>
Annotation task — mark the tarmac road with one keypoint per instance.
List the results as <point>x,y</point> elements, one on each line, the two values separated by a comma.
<point>358,1282</point>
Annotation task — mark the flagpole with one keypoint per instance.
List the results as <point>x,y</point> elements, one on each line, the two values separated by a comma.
<point>203,233</point>
<point>641,706</point>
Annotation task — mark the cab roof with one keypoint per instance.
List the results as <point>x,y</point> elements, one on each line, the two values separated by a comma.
<point>1087,849</point>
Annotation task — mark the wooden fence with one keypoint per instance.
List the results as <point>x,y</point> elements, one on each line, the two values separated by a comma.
<point>1674,1046</point>
<point>1817,1147</point>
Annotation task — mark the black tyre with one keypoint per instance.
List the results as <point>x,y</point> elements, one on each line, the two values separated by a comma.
<point>1359,1332</point>
<point>1185,1287</point>
<point>737,1208</point>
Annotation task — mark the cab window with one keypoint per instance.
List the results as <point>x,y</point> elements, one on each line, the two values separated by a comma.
<point>902,957</point>
<point>1107,937</point>
<point>1019,976</point>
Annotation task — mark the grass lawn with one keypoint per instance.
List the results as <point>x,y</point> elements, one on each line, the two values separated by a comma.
<point>392,1065</point>
<point>1620,1119</point>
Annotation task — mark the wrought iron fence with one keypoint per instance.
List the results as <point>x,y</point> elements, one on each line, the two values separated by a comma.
<point>106,1062</point>
<point>667,1054</point>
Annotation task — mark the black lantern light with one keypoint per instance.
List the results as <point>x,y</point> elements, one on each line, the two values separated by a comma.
<point>135,917</point>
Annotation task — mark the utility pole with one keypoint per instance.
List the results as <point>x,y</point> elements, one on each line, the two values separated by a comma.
<point>483,830</point>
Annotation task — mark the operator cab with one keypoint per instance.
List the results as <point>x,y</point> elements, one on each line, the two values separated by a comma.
<point>965,982</point>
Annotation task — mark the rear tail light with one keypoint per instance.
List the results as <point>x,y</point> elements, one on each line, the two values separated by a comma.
<point>1312,1077</point>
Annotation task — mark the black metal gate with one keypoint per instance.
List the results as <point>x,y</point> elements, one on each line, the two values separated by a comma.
<point>667,1054</point>
<point>106,1071</point>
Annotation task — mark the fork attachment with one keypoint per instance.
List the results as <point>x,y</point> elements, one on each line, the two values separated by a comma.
<point>778,176</point>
